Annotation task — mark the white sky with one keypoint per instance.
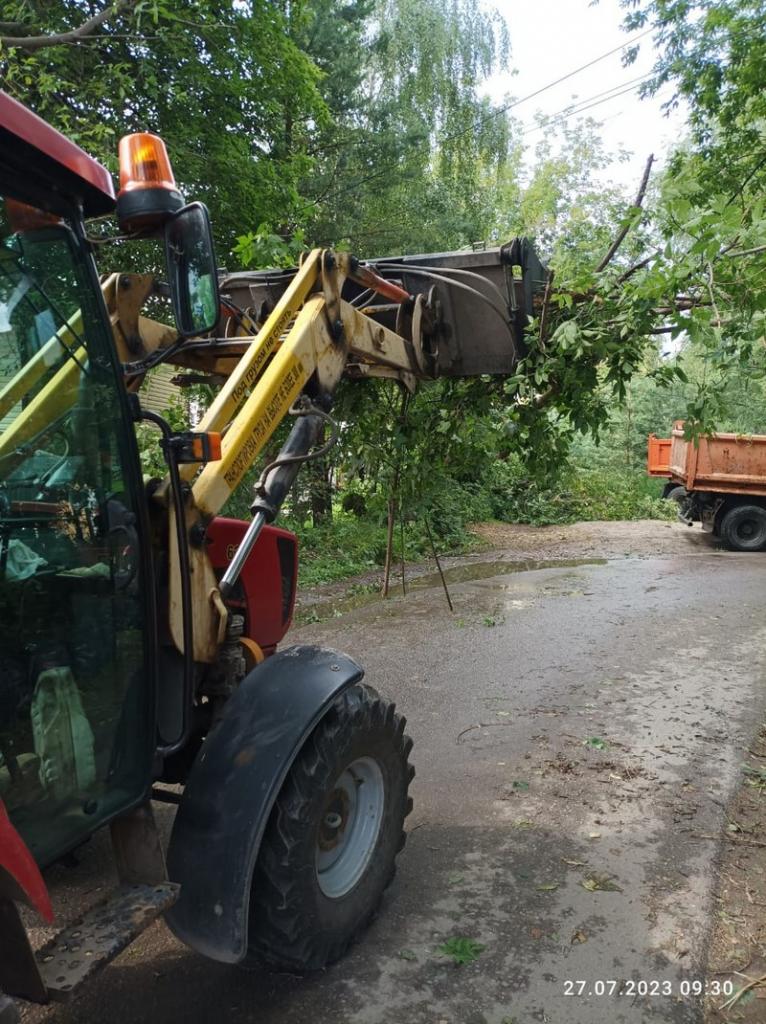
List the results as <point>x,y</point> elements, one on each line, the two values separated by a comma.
<point>550,38</point>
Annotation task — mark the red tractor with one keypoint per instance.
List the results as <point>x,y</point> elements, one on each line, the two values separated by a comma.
<point>139,628</point>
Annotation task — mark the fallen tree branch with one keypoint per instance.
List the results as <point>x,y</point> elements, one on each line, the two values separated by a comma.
<point>747,252</point>
<point>546,306</point>
<point>39,42</point>
<point>540,400</point>
<point>636,206</point>
<point>634,269</point>
<point>681,305</point>
<point>738,995</point>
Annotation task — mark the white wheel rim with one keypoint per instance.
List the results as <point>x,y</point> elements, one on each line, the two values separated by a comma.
<point>349,827</point>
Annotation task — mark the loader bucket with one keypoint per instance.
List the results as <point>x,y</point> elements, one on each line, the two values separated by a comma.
<point>483,300</point>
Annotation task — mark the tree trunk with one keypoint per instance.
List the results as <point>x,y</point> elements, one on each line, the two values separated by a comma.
<point>320,488</point>
<point>389,545</point>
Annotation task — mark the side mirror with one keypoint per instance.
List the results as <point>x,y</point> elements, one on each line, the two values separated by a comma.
<point>192,270</point>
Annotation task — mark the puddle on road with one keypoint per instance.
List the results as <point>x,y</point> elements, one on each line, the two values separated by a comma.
<point>456,574</point>
<point>485,570</point>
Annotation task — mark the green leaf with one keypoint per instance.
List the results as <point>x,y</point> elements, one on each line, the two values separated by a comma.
<point>596,743</point>
<point>462,950</point>
<point>600,883</point>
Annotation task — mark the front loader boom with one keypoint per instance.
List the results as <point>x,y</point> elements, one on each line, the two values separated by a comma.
<point>318,330</point>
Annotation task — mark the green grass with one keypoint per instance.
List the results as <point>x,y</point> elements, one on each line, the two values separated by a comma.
<point>349,546</point>
<point>346,547</point>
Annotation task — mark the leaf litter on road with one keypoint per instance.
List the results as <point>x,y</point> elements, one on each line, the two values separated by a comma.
<point>600,883</point>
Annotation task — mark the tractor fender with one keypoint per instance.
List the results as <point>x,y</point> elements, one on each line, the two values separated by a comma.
<point>20,877</point>
<point>232,788</point>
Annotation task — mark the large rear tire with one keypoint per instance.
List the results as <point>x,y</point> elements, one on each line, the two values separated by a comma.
<point>677,494</point>
<point>330,846</point>
<point>743,528</point>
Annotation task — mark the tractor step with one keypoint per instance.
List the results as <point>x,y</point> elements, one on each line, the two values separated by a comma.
<point>9,1012</point>
<point>93,941</point>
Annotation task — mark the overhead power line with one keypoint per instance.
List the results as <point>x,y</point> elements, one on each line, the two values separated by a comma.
<point>588,103</point>
<point>484,119</point>
<point>545,88</point>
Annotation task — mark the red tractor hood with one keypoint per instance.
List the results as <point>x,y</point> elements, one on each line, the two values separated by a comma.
<point>38,161</point>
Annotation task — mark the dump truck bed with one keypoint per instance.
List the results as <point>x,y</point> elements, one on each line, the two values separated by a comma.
<point>658,456</point>
<point>727,463</point>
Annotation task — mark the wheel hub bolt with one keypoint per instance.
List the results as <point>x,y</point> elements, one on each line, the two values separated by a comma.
<point>333,820</point>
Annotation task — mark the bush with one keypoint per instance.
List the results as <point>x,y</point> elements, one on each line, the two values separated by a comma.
<point>350,546</point>
<point>583,494</point>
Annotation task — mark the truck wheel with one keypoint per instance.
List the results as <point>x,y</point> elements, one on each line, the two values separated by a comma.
<point>744,528</point>
<point>676,494</point>
<point>330,845</point>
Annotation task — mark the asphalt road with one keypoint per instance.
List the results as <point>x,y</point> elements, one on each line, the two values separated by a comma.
<point>578,732</point>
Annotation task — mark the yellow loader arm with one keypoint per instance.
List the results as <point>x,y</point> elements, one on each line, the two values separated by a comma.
<point>304,346</point>
<point>306,343</point>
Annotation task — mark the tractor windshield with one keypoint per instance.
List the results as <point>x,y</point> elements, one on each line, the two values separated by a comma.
<point>71,644</point>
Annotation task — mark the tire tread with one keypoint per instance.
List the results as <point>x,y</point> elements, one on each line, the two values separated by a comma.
<point>278,938</point>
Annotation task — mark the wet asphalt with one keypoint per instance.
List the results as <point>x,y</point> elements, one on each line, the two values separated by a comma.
<point>578,732</point>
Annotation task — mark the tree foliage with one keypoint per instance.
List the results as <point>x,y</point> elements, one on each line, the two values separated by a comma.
<point>226,85</point>
<point>362,123</point>
<point>709,216</point>
<point>399,166</point>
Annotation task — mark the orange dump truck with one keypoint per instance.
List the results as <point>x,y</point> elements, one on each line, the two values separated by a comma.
<point>720,482</point>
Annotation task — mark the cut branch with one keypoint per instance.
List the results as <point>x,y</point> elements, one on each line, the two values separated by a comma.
<point>39,42</point>
<point>546,306</point>
<point>636,206</point>
<point>748,252</point>
<point>634,270</point>
<point>544,396</point>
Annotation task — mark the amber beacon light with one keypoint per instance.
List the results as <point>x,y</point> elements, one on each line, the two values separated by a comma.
<point>148,193</point>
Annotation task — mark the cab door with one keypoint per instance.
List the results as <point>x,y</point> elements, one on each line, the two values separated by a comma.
<point>76,690</point>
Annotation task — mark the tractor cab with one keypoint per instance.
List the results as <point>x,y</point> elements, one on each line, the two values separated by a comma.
<point>78,589</point>
<point>76,616</point>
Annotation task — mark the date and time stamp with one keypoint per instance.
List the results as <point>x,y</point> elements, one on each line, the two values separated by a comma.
<point>631,988</point>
